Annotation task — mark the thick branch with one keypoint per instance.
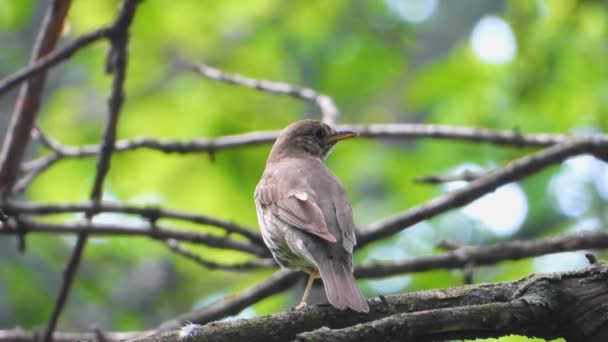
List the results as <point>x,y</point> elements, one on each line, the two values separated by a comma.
<point>572,305</point>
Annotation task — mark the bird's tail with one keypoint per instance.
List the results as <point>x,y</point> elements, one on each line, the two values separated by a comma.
<point>340,286</point>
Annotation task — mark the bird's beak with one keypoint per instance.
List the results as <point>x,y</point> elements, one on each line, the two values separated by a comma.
<point>341,135</point>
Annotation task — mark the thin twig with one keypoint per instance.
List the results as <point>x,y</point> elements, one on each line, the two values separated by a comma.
<point>28,101</point>
<point>466,176</point>
<point>174,246</point>
<point>488,255</point>
<point>512,138</point>
<point>515,170</point>
<point>57,56</point>
<point>112,230</point>
<point>278,282</point>
<point>324,103</point>
<point>373,131</point>
<point>118,61</point>
<point>20,335</point>
<point>148,212</point>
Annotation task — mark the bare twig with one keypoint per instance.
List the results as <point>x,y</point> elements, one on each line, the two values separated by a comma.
<point>466,176</point>
<point>174,246</point>
<point>42,164</point>
<point>28,101</point>
<point>30,227</point>
<point>53,58</point>
<point>20,335</point>
<point>511,138</point>
<point>118,60</point>
<point>373,131</point>
<point>148,212</point>
<point>278,282</point>
<point>515,170</point>
<point>324,103</point>
<point>488,255</point>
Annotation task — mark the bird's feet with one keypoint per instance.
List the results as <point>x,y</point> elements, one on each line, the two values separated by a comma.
<point>300,306</point>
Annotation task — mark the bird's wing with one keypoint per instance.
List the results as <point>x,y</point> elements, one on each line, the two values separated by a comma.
<point>344,215</point>
<point>297,208</point>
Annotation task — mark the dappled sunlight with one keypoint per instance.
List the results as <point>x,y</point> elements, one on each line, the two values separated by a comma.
<point>502,211</point>
<point>572,187</point>
<point>493,41</point>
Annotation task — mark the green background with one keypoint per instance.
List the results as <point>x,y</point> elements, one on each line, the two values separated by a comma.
<point>377,67</point>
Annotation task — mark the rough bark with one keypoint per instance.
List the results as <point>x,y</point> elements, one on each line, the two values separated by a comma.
<point>573,305</point>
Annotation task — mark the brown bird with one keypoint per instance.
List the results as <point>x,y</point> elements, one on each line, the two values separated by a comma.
<point>304,214</point>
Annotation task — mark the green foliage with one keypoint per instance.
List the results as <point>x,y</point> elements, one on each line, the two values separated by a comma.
<point>356,51</point>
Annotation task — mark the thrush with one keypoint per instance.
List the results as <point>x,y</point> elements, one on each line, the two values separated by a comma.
<point>304,215</point>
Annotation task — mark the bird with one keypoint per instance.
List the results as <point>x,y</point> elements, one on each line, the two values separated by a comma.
<point>304,215</point>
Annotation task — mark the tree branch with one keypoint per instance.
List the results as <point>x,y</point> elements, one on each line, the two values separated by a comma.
<point>151,213</point>
<point>20,335</point>
<point>117,59</point>
<point>457,258</point>
<point>487,255</point>
<point>278,282</point>
<point>175,247</point>
<point>515,170</point>
<point>569,304</point>
<point>325,104</point>
<point>53,58</point>
<point>28,101</point>
<point>29,227</point>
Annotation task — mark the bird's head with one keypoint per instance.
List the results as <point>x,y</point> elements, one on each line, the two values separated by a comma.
<point>307,137</point>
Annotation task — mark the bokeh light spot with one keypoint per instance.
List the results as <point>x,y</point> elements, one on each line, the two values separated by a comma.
<point>493,41</point>
<point>413,11</point>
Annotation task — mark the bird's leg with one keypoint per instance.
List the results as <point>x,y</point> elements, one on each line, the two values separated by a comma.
<point>311,279</point>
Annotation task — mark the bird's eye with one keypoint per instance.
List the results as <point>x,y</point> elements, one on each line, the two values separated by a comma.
<point>320,133</point>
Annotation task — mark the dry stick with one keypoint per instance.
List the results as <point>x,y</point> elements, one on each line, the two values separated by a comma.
<point>373,131</point>
<point>53,58</point>
<point>148,212</point>
<point>118,60</point>
<point>160,233</point>
<point>466,176</point>
<point>278,282</point>
<point>175,247</point>
<point>515,170</point>
<point>487,255</point>
<point>19,335</point>
<point>28,102</point>
<point>512,138</point>
<point>324,103</point>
